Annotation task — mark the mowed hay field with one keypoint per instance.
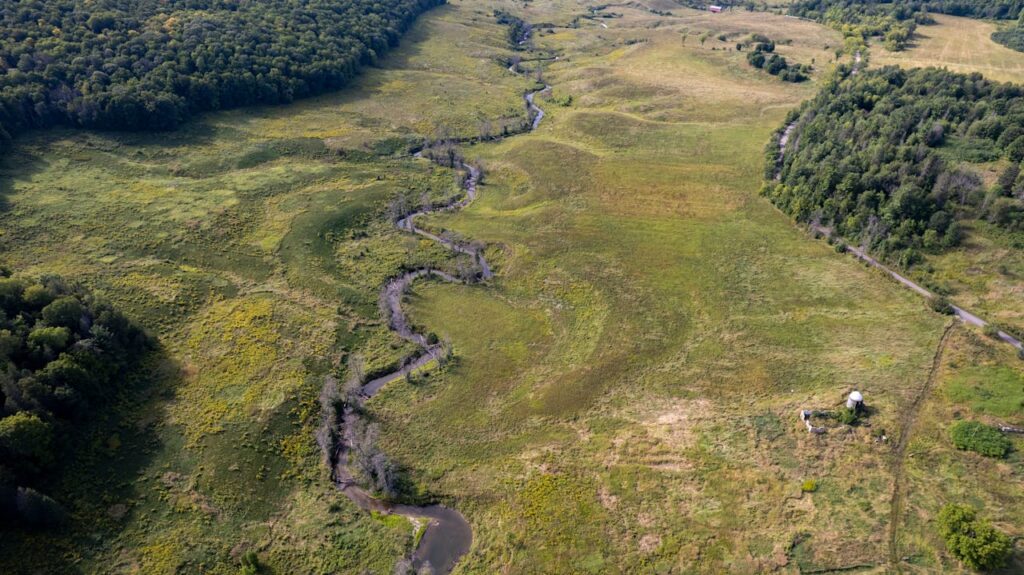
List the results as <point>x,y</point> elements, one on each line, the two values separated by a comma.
<point>624,395</point>
<point>959,44</point>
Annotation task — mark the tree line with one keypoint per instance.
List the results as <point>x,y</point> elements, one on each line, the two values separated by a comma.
<point>895,22</point>
<point>903,10</point>
<point>763,57</point>
<point>63,353</point>
<point>1012,36</point>
<point>150,64</point>
<point>884,157</point>
<point>517,30</point>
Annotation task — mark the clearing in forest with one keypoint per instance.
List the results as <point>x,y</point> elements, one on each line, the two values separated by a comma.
<point>959,44</point>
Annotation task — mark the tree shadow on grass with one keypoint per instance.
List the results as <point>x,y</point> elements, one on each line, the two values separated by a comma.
<point>95,479</point>
<point>1016,562</point>
<point>13,165</point>
<point>6,188</point>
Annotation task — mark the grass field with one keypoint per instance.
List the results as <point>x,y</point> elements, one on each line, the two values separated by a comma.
<point>624,393</point>
<point>983,274</point>
<point>976,381</point>
<point>252,243</point>
<point>959,44</point>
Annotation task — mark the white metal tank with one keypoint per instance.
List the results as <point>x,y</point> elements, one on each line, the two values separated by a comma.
<point>855,401</point>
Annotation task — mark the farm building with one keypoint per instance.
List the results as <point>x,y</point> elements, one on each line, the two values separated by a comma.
<point>715,9</point>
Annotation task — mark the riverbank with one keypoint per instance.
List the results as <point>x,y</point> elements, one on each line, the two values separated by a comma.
<point>447,536</point>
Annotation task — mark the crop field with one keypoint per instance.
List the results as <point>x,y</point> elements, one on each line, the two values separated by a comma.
<point>624,393</point>
<point>959,44</point>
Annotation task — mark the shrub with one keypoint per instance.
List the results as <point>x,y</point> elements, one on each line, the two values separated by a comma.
<point>980,438</point>
<point>809,486</point>
<point>973,541</point>
<point>250,563</point>
<point>66,311</point>
<point>935,136</point>
<point>11,294</point>
<point>1015,151</point>
<point>564,101</point>
<point>24,435</point>
<point>795,74</point>
<point>101,21</point>
<point>54,338</point>
<point>991,331</point>
<point>775,65</point>
<point>37,296</point>
<point>840,247</point>
<point>941,305</point>
<point>907,258</point>
<point>846,416</point>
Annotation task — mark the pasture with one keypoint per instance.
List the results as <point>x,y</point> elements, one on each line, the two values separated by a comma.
<point>624,394</point>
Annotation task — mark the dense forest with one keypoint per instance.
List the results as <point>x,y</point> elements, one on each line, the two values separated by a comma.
<point>63,352</point>
<point>895,22</point>
<point>885,157</point>
<point>149,64</point>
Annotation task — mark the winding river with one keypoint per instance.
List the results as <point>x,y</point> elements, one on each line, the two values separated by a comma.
<point>448,535</point>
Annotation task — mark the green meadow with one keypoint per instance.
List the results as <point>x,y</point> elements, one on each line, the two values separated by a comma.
<point>624,393</point>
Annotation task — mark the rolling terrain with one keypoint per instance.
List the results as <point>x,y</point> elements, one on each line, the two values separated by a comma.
<point>623,392</point>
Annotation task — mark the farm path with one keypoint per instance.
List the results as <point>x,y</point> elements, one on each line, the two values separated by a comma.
<point>861,253</point>
<point>960,313</point>
<point>899,453</point>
